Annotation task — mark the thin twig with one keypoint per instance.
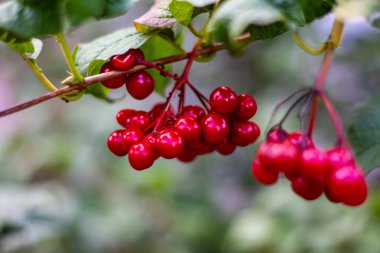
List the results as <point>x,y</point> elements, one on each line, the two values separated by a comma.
<point>72,86</point>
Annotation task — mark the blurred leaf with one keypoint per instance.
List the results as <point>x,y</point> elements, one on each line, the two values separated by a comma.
<point>349,9</point>
<point>157,47</point>
<point>315,9</point>
<point>33,18</point>
<point>31,49</point>
<point>103,48</point>
<point>7,229</point>
<point>364,134</point>
<point>264,19</point>
<point>199,3</point>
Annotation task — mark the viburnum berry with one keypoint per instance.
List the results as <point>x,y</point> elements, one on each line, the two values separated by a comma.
<point>276,135</point>
<point>246,107</point>
<point>307,189</point>
<point>127,60</point>
<point>347,184</point>
<point>140,119</point>
<point>141,156</point>
<point>215,128</point>
<point>140,84</point>
<point>223,100</point>
<point>169,144</point>
<point>279,156</point>
<point>313,164</point>
<point>130,137</point>
<point>187,156</point>
<point>122,115</point>
<point>194,111</point>
<point>244,133</point>
<point>339,157</point>
<point>188,127</point>
<point>226,148</point>
<point>114,143</point>
<point>264,175</point>
<point>112,83</point>
<point>300,140</point>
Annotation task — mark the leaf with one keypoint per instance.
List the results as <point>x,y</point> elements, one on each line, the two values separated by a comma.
<point>31,48</point>
<point>32,18</point>
<point>315,9</point>
<point>351,9</point>
<point>199,3</point>
<point>157,47</point>
<point>182,11</point>
<point>104,47</point>
<point>364,134</point>
<point>158,17</point>
<point>97,89</point>
<point>264,19</point>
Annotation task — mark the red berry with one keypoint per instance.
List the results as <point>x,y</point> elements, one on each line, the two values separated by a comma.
<point>246,107</point>
<point>215,128</point>
<point>158,108</point>
<point>130,137</point>
<point>300,140</point>
<point>348,185</point>
<point>114,143</point>
<point>200,147</point>
<point>330,196</point>
<point>307,189</point>
<point>313,164</point>
<point>339,157</point>
<point>226,148</point>
<point>140,119</point>
<point>127,60</point>
<point>264,175</point>
<point>194,111</point>
<point>279,156</point>
<point>187,156</point>
<point>141,156</point>
<point>169,143</point>
<point>244,133</point>
<point>112,83</point>
<point>188,127</point>
<point>223,100</point>
<point>140,85</point>
<point>122,115</point>
<point>276,135</point>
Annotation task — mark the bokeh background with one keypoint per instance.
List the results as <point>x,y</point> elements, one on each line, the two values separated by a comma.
<point>61,190</point>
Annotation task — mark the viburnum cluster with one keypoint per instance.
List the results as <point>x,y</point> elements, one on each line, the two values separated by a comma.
<point>139,85</point>
<point>221,123</point>
<point>311,170</point>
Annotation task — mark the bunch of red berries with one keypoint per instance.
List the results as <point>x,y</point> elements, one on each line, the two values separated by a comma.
<point>139,85</point>
<point>310,170</point>
<point>188,133</point>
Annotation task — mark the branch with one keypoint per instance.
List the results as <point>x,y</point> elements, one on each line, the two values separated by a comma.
<point>73,86</point>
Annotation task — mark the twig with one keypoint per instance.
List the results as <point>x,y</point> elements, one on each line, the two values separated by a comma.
<point>72,86</point>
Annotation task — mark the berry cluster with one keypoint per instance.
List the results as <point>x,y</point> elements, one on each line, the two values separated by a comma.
<point>310,170</point>
<point>139,85</point>
<point>190,132</point>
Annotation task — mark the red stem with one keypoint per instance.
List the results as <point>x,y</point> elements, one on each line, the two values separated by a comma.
<point>335,119</point>
<point>181,81</point>
<point>161,70</point>
<point>200,96</point>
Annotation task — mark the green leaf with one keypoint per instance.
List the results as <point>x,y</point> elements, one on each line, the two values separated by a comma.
<point>158,17</point>
<point>97,89</point>
<point>31,18</point>
<point>31,49</point>
<point>182,11</point>
<point>315,9</point>
<point>264,19</point>
<point>104,47</point>
<point>364,133</point>
<point>157,47</point>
